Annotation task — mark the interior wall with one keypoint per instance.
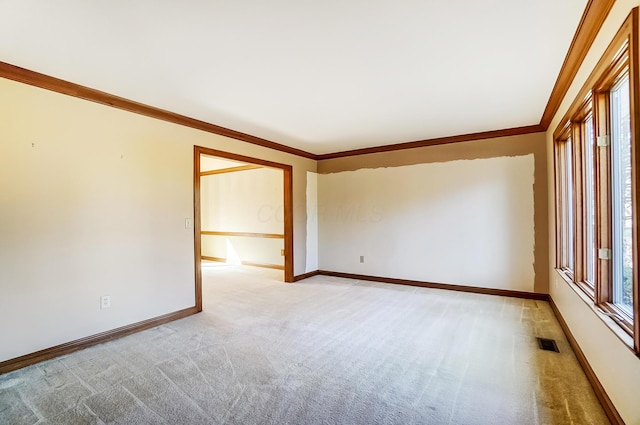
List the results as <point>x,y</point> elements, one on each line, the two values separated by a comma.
<point>94,201</point>
<point>250,201</point>
<point>460,222</point>
<point>312,222</point>
<point>616,366</point>
<point>472,213</point>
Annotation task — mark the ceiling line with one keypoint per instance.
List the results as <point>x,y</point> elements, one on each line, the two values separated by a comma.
<point>590,24</point>
<point>592,20</point>
<point>536,128</point>
<point>57,85</point>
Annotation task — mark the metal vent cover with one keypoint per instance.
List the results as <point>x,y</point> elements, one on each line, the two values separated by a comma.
<point>548,344</point>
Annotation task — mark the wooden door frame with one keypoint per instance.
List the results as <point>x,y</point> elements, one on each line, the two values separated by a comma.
<point>197,225</point>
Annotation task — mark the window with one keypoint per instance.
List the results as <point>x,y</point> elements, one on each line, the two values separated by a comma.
<point>564,178</point>
<point>596,189</point>
<point>590,199</point>
<point>622,195</point>
<point>569,219</point>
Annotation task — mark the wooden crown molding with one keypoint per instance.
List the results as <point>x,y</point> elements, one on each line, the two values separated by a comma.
<point>57,85</point>
<point>590,24</point>
<point>516,131</point>
<point>611,59</point>
<point>592,20</point>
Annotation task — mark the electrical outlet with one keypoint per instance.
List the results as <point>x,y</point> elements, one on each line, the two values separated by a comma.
<point>362,258</point>
<point>105,301</point>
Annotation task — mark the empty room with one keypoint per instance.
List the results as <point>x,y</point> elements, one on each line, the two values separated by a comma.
<point>419,212</point>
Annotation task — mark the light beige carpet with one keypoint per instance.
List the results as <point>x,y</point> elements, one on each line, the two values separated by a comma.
<point>321,351</point>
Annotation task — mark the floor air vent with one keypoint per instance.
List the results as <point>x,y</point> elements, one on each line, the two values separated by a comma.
<point>548,344</point>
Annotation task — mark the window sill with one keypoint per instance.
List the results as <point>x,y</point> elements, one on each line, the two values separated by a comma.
<point>618,330</point>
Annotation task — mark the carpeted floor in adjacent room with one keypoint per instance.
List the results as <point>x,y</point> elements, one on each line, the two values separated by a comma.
<point>322,351</point>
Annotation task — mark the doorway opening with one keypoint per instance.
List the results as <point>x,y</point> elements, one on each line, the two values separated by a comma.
<point>243,213</point>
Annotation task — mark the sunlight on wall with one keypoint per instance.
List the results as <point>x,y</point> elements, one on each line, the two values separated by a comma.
<point>232,254</point>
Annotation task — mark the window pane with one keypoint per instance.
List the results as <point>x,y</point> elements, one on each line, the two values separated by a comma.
<point>621,196</point>
<point>589,148</point>
<point>569,203</point>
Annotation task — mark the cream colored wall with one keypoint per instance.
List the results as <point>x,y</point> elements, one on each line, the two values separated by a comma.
<point>246,201</point>
<point>210,163</point>
<point>312,222</point>
<point>617,368</point>
<point>460,222</point>
<point>493,190</point>
<point>93,202</point>
<point>240,249</point>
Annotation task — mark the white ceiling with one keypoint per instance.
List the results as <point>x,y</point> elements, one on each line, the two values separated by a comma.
<point>322,76</point>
